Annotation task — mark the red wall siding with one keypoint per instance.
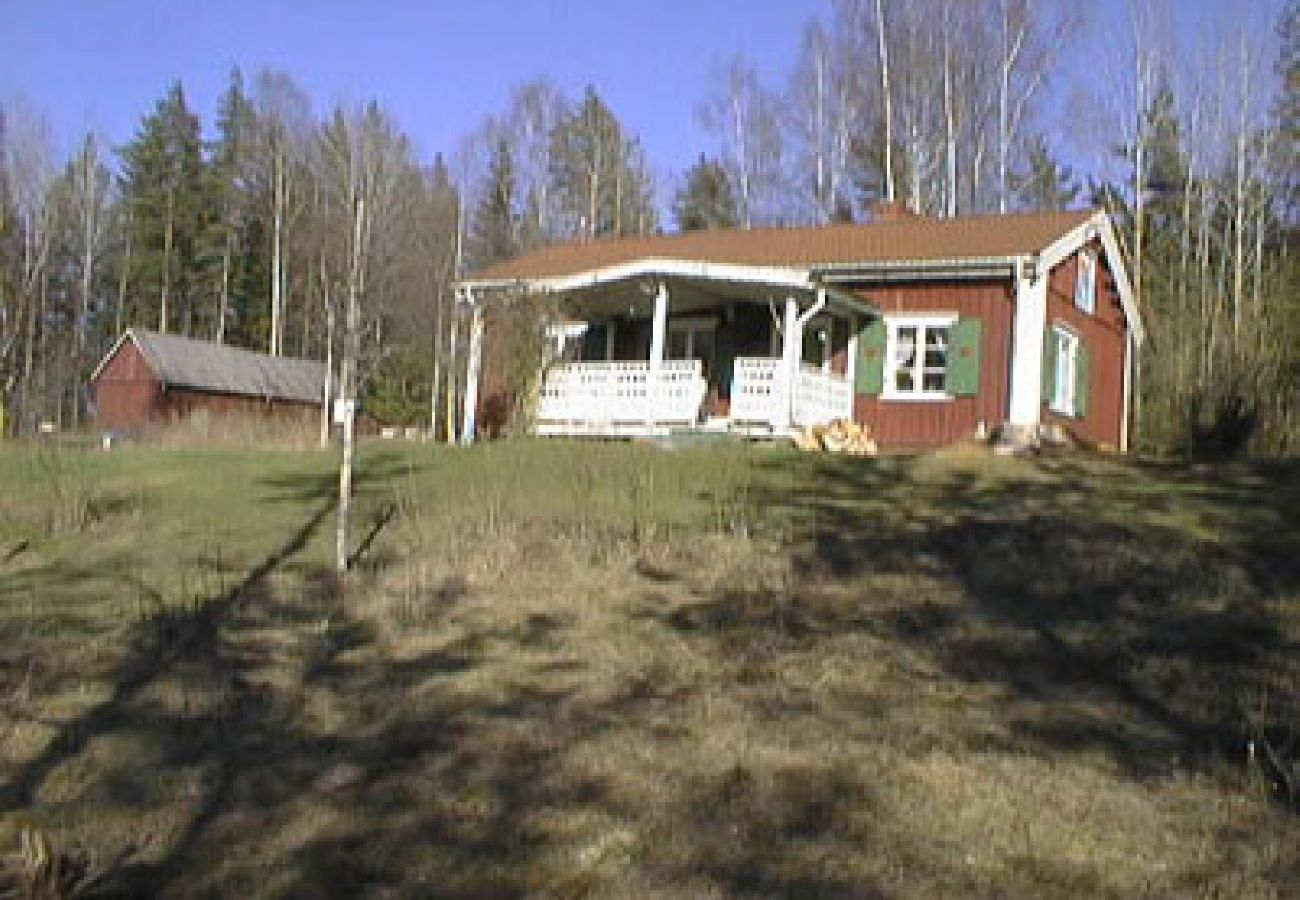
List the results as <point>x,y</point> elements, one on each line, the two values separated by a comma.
<point>126,392</point>
<point>929,423</point>
<point>1103,334</point>
<point>176,403</point>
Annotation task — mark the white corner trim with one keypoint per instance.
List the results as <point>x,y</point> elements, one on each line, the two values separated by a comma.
<point>1028,331</point>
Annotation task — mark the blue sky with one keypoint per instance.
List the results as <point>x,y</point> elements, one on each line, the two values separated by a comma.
<point>439,65</point>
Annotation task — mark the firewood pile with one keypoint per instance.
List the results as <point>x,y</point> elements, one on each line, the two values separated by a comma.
<point>840,436</point>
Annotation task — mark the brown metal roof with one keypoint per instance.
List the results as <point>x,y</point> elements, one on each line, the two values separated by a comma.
<point>917,239</point>
<point>207,366</point>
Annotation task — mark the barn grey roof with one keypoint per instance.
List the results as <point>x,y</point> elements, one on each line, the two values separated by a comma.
<point>220,368</point>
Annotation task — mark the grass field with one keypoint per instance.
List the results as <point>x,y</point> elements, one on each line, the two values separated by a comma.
<point>586,670</point>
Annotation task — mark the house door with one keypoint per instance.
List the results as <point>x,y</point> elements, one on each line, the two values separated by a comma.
<point>694,340</point>
<point>698,339</point>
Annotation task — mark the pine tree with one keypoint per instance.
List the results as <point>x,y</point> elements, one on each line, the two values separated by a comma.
<point>162,175</point>
<point>706,200</point>
<point>494,227</point>
<point>226,242</point>
<point>1046,183</point>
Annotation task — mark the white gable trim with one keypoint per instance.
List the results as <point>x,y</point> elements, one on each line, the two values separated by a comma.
<point>1098,226</point>
<point>117,345</point>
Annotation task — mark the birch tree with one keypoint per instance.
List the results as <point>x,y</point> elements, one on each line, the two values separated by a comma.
<point>743,116</point>
<point>27,159</point>
<point>282,123</point>
<point>89,183</point>
<point>363,159</point>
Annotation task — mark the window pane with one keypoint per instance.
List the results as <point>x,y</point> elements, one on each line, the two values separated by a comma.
<point>905,347</point>
<point>903,380</point>
<point>1064,399</point>
<point>936,348</point>
<point>932,381</point>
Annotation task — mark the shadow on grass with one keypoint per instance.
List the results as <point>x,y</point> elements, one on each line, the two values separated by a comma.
<point>1153,596</point>
<point>1141,610</point>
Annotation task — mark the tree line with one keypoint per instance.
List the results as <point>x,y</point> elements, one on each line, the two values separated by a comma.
<point>252,236</point>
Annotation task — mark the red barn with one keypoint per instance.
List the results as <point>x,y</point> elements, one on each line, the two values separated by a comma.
<point>149,377</point>
<point>926,330</point>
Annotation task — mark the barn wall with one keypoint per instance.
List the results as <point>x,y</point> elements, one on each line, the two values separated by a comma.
<point>929,423</point>
<point>126,392</point>
<point>176,403</point>
<point>1104,335</point>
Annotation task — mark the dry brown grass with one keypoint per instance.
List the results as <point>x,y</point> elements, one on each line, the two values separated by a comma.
<point>202,429</point>
<point>576,671</point>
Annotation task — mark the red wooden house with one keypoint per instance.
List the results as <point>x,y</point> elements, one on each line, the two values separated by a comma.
<point>927,330</point>
<point>148,377</point>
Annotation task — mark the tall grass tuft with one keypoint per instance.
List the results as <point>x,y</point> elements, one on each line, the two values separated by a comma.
<point>42,870</point>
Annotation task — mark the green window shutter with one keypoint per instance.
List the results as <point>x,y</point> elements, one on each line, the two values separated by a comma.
<point>1049,365</point>
<point>1082,381</point>
<point>870,375</point>
<point>963,376</point>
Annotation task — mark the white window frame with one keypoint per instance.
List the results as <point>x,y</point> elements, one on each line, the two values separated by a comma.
<point>1085,282</point>
<point>1067,361</point>
<point>922,322</point>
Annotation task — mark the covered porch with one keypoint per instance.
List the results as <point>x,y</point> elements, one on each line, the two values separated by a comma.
<point>672,347</point>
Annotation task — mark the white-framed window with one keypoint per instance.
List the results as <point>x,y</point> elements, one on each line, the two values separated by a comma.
<point>1067,365</point>
<point>916,357</point>
<point>1085,282</point>
<point>817,343</point>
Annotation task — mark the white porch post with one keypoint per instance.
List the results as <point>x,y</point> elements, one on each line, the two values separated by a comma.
<point>609,341</point>
<point>791,351</point>
<point>659,328</point>
<point>1028,334</point>
<point>473,366</point>
<point>658,345</point>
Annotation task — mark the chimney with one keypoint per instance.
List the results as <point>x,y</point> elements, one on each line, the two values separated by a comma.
<point>897,211</point>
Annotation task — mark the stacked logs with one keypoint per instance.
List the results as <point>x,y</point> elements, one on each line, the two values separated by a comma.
<point>840,436</point>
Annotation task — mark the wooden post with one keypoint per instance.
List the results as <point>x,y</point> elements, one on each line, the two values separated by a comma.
<point>451,374</point>
<point>851,361</point>
<point>473,366</point>
<point>348,390</point>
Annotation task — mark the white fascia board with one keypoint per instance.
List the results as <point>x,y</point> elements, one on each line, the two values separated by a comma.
<point>1097,226</point>
<point>774,276</point>
<point>786,278</point>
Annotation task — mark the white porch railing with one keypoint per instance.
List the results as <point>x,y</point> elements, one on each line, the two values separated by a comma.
<point>758,390</point>
<point>595,394</point>
<point>622,398</point>
<point>821,397</point>
<point>758,394</point>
